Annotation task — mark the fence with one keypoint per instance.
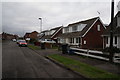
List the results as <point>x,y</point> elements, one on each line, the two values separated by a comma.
<point>93,54</point>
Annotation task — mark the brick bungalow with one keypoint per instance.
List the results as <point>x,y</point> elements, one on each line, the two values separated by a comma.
<point>32,35</point>
<point>116,33</point>
<point>83,34</point>
<point>7,36</point>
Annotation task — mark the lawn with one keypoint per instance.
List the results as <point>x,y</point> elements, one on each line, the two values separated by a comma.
<point>34,47</point>
<point>82,68</point>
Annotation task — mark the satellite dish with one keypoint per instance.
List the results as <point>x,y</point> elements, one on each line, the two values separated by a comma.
<point>118,6</point>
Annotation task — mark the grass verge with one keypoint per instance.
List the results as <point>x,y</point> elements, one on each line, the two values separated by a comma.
<point>34,47</point>
<point>82,68</point>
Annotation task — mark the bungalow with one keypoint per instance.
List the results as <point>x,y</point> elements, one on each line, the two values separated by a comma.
<point>27,36</point>
<point>51,34</point>
<point>44,35</point>
<point>7,36</point>
<point>116,33</point>
<point>84,34</point>
<point>32,35</point>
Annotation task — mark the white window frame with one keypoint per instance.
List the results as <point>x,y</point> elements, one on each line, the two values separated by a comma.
<point>98,27</point>
<point>85,42</point>
<point>74,28</point>
<point>77,40</point>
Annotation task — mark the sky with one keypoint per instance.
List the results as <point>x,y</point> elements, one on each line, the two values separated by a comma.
<point>21,17</point>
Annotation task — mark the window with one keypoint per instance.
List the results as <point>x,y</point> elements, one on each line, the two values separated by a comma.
<point>71,40</point>
<point>66,29</point>
<point>49,40</point>
<point>81,26</point>
<point>74,28</point>
<point>46,33</point>
<point>115,39</point>
<point>84,41</point>
<point>98,27</point>
<point>52,31</point>
<point>77,40</point>
<point>63,40</point>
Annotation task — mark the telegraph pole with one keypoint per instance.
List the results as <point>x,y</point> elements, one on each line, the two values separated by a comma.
<point>111,55</point>
<point>40,24</point>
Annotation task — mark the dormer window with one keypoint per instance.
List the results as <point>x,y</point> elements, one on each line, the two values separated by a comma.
<point>52,31</point>
<point>74,28</point>
<point>47,33</point>
<point>65,30</point>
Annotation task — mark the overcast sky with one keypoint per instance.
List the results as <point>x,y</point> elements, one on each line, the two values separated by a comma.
<point>21,17</point>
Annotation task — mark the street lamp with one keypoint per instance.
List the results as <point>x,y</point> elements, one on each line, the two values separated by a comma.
<point>40,24</point>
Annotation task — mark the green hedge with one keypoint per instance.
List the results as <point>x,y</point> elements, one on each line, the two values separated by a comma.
<point>114,49</point>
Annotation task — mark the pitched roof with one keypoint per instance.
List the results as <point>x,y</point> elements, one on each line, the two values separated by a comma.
<point>28,33</point>
<point>56,28</point>
<point>89,23</point>
<point>50,36</point>
<point>45,31</point>
<point>46,37</point>
<point>34,32</point>
<point>116,30</point>
<point>70,35</point>
<point>57,31</point>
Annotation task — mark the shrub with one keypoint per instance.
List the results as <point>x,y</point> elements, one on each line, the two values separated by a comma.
<point>114,49</point>
<point>33,40</point>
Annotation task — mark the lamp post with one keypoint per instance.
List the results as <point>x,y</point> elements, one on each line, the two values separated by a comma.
<point>111,32</point>
<point>40,24</point>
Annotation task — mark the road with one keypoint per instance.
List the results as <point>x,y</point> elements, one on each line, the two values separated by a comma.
<point>22,62</point>
<point>0,60</point>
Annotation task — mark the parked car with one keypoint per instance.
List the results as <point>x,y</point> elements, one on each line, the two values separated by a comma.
<point>18,41</point>
<point>14,40</point>
<point>47,41</point>
<point>22,43</point>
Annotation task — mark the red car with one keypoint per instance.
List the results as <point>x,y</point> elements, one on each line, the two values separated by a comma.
<point>22,43</point>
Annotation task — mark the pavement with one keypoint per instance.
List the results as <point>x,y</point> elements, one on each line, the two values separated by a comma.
<point>113,68</point>
<point>22,62</point>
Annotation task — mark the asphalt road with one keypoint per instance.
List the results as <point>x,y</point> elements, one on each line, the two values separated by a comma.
<point>22,62</point>
<point>0,60</point>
